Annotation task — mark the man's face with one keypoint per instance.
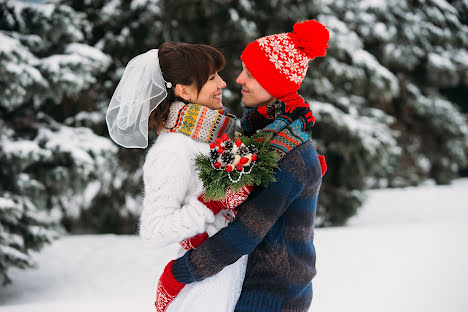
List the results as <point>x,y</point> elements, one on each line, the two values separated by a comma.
<point>253,94</point>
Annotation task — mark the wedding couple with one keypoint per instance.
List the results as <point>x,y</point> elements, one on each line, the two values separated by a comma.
<point>264,259</point>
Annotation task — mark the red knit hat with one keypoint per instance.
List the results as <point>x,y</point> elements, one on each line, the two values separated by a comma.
<point>279,62</point>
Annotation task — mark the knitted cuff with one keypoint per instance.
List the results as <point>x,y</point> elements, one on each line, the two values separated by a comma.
<point>171,285</point>
<point>181,269</point>
<point>194,241</point>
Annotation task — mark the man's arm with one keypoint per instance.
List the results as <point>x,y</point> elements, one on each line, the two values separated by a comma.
<point>255,218</point>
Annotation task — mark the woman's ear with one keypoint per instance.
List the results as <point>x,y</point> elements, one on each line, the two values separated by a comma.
<point>182,91</point>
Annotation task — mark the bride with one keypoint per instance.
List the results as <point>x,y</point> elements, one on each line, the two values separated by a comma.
<point>176,91</point>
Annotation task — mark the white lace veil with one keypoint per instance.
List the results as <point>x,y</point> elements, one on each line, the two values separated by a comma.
<point>141,89</point>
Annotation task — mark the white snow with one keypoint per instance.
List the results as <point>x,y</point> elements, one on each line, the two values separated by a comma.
<point>24,149</point>
<point>405,251</point>
<point>441,61</point>
<point>93,54</point>
<point>374,134</point>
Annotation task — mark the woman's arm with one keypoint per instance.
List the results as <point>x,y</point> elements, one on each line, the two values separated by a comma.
<point>166,219</point>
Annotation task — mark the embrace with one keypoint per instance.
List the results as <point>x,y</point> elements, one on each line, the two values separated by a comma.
<point>241,207</point>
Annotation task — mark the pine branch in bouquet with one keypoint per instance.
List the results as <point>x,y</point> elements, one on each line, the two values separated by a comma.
<point>251,163</point>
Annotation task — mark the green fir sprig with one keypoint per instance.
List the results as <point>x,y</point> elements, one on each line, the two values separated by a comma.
<point>216,182</point>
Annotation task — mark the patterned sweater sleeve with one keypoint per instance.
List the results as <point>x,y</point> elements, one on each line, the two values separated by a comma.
<point>255,218</point>
<point>169,216</point>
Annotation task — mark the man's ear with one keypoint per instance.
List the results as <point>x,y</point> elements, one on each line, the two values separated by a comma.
<point>181,91</point>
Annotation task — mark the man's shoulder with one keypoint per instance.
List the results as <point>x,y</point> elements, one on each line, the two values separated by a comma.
<point>302,162</point>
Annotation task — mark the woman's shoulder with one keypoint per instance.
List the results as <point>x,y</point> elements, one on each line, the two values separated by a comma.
<point>168,143</point>
<point>170,140</point>
<point>177,145</point>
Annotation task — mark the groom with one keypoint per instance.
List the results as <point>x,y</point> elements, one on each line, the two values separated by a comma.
<point>275,226</point>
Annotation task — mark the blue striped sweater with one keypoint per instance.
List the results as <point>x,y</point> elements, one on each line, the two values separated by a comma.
<point>275,226</point>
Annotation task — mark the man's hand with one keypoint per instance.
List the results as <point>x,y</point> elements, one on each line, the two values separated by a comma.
<point>168,288</point>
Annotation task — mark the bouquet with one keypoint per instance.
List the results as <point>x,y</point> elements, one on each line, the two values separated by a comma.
<point>234,164</point>
<point>230,172</point>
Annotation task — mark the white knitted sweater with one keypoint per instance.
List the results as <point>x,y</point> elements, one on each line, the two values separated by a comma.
<point>171,210</point>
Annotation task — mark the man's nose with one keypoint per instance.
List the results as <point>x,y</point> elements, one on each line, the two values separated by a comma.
<point>240,79</point>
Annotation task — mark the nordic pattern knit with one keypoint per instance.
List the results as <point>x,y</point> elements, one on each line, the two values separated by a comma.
<point>276,228</point>
<point>199,122</point>
<point>289,130</point>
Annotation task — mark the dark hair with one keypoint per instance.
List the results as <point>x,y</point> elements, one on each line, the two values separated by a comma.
<point>185,64</point>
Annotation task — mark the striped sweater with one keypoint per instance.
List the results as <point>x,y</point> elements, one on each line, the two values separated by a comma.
<point>275,226</point>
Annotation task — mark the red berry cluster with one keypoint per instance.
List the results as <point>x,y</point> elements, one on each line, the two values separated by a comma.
<point>220,145</point>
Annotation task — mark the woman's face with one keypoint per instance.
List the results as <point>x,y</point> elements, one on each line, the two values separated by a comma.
<point>210,94</point>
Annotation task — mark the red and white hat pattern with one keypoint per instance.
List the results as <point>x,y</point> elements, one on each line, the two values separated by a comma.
<point>279,62</point>
<point>281,51</point>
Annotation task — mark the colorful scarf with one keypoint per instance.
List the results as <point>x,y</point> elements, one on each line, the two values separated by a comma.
<point>290,128</point>
<point>199,122</point>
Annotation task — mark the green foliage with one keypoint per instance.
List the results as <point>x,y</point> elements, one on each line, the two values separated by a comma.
<point>216,182</point>
<point>49,172</point>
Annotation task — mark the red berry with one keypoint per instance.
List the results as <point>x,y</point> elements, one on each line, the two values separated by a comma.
<point>217,141</point>
<point>228,168</point>
<point>254,157</point>
<point>217,165</point>
<point>238,142</point>
<point>244,160</point>
<point>224,137</point>
<point>212,145</point>
<point>239,167</point>
<point>220,150</point>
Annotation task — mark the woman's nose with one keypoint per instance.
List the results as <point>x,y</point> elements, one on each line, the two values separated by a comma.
<point>221,84</point>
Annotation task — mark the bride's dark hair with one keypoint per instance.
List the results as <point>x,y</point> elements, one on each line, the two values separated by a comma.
<point>185,64</point>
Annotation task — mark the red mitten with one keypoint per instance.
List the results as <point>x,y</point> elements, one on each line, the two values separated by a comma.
<point>230,201</point>
<point>323,164</point>
<point>214,205</point>
<point>168,288</point>
<point>234,199</point>
<point>194,241</point>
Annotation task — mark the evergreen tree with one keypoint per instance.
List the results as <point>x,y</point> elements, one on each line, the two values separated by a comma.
<point>403,63</point>
<point>387,97</point>
<point>49,172</point>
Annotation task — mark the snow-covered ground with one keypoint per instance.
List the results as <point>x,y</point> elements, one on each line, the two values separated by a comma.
<point>407,250</point>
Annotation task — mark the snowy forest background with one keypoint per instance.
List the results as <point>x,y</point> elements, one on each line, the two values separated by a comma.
<point>390,101</point>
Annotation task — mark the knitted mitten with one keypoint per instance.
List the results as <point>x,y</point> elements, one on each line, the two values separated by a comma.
<point>168,288</point>
<point>323,164</point>
<point>234,199</point>
<point>194,241</point>
<point>214,205</point>
<point>230,201</point>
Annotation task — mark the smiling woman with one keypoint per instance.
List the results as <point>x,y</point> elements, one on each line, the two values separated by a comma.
<point>176,91</point>
<point>192,70</point>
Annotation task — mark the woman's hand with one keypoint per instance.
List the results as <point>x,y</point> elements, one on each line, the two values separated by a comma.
<point>230,201</point>
<point>194,241</point>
